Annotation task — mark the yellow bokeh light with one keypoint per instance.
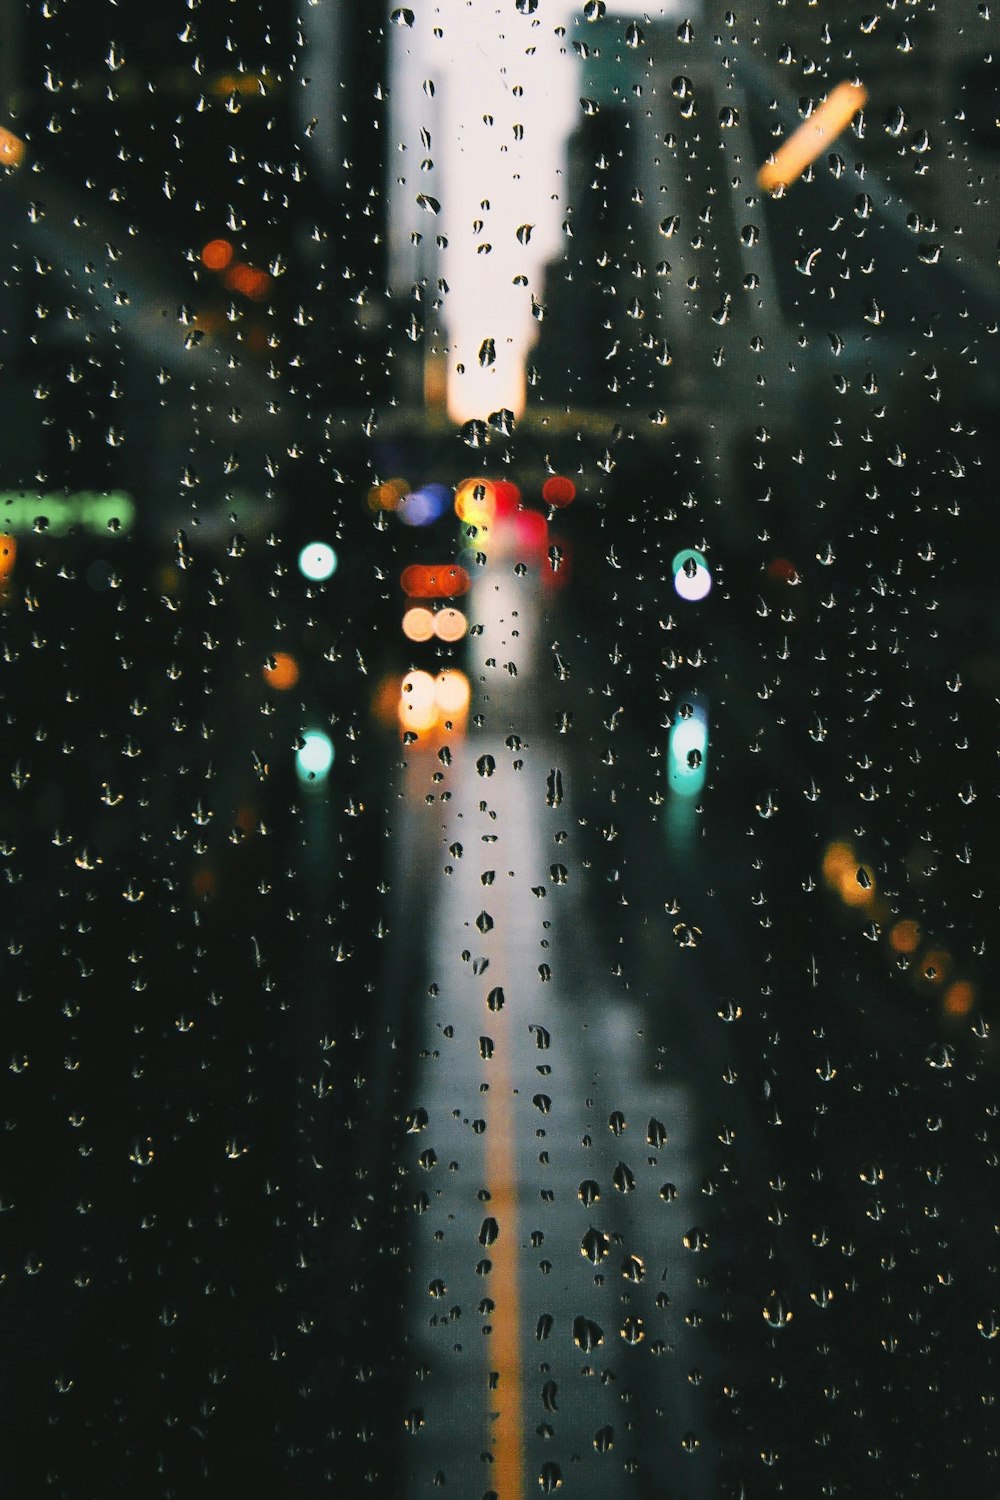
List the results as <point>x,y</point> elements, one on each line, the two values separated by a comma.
<point>475,503</point>
<point>418,705</point>
<point>452,692</point>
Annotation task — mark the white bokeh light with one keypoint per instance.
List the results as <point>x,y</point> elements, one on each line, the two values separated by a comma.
<point>483,103</point>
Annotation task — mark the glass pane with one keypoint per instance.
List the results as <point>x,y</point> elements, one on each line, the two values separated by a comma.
<point>500,675</point>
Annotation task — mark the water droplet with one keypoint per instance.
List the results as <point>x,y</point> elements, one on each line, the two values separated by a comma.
<point>495,998</point>
<point>550,1477</point>
<point>686,936</point>
<point>633,1268</point>
<point>623,1178</point>
<point>486,765</point>
<point>595,1245</point>
<point>989,1326</point>
<point>401,16</point>
<point>489,1232</point>
<point>776,1312</point>
<point>588,1192</point>
<point>656,1133</point>
<point>484,921</point>
<point>586,1334</point>
<point>696,1239</point>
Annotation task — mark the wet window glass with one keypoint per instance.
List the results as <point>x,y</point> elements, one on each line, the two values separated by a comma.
<point>500,666</point>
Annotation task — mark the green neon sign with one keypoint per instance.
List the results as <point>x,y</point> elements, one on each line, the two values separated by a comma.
<point>57,513</point>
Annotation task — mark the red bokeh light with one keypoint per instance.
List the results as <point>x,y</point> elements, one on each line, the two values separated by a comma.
<point>558,490</point>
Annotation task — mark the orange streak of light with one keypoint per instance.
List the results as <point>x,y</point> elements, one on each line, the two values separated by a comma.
<point>813,135</point>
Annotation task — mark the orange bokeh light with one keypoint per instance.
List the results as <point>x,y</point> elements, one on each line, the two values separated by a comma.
<point>434,580</point>
<point>11,148</point>
<point>248,281</point>
<point>960,998</point>
<point>936,965</point>
<point>388,494</point>
<point>281,671</point>
<point>8,554</point>
<point>217,254</point>
<point>905,936</point>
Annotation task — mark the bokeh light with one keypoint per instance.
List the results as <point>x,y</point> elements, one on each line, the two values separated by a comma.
<point>314,756</point>
<point>387,494</point>
<point>434,580</point>
<point>450,625</point>
<point>317,561</point>
<point>418,707</point>
<point>960,998</point>
<point>418,623</point>
<point>475,502</point>
<point>281,671</point>
<point>904,936</point>
<point>558,489</point>
<point>692,579</point>
<point>216,255</point>
<point>424,506</point>
<point>452,692</point>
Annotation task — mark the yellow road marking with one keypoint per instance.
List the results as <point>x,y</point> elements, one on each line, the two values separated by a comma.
<point>505,1349</point>
<point>500,1166</point>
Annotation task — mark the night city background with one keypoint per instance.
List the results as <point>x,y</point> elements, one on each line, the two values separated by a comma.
<point>501,665</point>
